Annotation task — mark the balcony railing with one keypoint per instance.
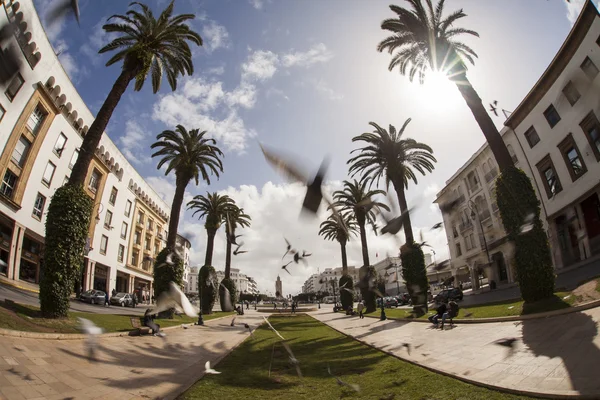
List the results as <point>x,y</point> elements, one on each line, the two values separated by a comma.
<point>491,175</point>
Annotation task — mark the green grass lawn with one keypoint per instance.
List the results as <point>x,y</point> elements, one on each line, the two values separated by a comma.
<point>501,309</point>
<point>27,318</point>
<point>245,372</point>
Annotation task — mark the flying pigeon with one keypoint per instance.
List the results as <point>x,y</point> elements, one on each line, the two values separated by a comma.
<point>174,298</point>
<point>10,60</point>
<point>293,358</point>
<point>91,331</point>
<point>288,248</point>
<point>273,329</point>
<point>249,330</point>
<point>209,370</point>
<point>63,8</point>
<point>494,107</point>
<point>528,223</point>
<point>227,300</point>
<point>285,267</point>
<point>510,343</point>
<point>237,250</point>
<point>437,226</point>
<point>232,322</point>
<point>340,382</point>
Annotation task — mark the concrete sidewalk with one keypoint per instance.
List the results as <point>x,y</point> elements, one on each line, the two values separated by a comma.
<point>146,367</point>
<point>554,356</point>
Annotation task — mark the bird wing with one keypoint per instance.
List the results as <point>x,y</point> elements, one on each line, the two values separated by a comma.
<point>271,326</point>
<point>89,327</point>
<point>182,301</point>
<point>284,167</point>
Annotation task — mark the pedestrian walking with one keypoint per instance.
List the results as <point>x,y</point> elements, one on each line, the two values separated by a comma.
<point>360,308</point>
<point>114,292</point>
<point>106,303</point>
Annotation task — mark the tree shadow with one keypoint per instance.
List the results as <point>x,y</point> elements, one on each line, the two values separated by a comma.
<point>571,338</point>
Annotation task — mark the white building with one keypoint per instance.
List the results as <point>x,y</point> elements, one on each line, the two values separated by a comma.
<point>42,122</point>
<point>192,280</point>
<point>185,247</point>
<point>554,137</point>
<point>243,283</point>
<point>311,285</point>
<point>390,269</point>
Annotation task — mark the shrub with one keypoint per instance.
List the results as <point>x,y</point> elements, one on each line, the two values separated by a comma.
<point>346,297</point>
<point>230,285</point>
<point>67,225</point>
<point>207,288</point>
<point>414,273</point>
<point>368,276</point>
<point>516,200</point>
<point>165,273</point>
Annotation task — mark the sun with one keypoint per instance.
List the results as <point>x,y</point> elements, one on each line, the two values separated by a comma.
<point>438,91</point>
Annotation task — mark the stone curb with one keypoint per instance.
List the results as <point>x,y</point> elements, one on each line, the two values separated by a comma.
<point>546,314</point>
<point>545,395</point>
<point>79,336</point>
<point>7,283</point>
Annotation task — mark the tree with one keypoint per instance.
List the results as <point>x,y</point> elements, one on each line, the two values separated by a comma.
<point>424,41</point>
<point>212,208</point>
<point>385,154</point>
<point>357,198</point>
<point>146,46</point>
<point>192,156</point>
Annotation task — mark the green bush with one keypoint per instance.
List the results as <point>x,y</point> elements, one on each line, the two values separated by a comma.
<point>165,273</point>
<point>516,200</point>
<point>67,225</point>
<point>207,288</point>
<point>230,285</point>
<point>346,297</point>
<point>368,296</point>
<point>414,273</point>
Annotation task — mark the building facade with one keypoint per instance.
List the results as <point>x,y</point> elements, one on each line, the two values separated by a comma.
<point>278,287</point>
<point>42,124</point>
<point>390,269</point>
<point>192,280</point>
<point>243,283</point>
<point>185,247</point>
<point>554,137</point>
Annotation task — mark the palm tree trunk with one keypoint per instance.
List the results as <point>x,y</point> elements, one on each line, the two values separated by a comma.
<point>497,145</point>
<point>408,232</point>
<point>228,260</point>
<point>344,258</point>
<point>210,244</point>
<point>363,240</point>
<point>180,185</point>
<point>94,134</point>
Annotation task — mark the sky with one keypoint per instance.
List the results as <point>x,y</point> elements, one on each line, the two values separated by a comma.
<point>304,77</point>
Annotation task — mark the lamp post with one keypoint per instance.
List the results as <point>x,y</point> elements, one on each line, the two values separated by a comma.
<point>475,216</point>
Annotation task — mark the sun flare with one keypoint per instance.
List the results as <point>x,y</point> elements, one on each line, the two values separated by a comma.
<point>438,91</point>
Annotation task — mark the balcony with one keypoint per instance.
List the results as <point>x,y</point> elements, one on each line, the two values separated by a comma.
<point>464,226</point>
<point>491,175</point>
<point>484,215</point>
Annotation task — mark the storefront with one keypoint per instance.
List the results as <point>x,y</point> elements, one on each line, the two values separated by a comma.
<point>142,287</point>
<point>6,232</point>
<point>100,277</point>
<point>31,250</point>
<point>122,282</point>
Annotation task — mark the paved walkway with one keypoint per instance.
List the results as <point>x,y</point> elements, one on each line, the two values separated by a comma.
<point>145,367</point>
<point>558,355</point>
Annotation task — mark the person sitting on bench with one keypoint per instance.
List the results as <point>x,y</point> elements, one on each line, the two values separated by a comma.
<point>149,322</point>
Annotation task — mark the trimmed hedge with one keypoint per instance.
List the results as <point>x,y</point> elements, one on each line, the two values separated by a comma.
<point>67,225</point>
<point>230,285</point>
<point>165,273</point>
<point>516,200</point>
<point>207,288</point>
<point>346,297</point>
<point>368,275</point>
<point>414,273</point>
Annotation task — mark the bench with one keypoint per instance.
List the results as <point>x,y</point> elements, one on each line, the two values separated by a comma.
<point>138,327</point>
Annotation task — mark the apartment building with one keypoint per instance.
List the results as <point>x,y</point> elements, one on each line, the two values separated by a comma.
<point>554,137</point>
<point>42,123</point>
<point>185,247</point>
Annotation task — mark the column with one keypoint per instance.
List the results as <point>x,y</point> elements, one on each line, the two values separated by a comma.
<point>583,242</point>
<point>92,274</point>
<point>150,292</point>
<point>16,246</point>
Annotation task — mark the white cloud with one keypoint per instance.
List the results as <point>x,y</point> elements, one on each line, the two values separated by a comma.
<point>261,65</point>
<point>277,92</point>
<point>326,91</point>
<point>275,211</point>
<point>258,4</point>
<point>244,95</point>
<point>207,94</point>
<point>316,54</point>
<point>132,143</point>
<point>220,70</point>
<point>574,8</point>
<point>215,36</point>
<point>98,39</point>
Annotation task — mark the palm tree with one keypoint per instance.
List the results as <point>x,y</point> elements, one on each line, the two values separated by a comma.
<point>212,208</point>
<point>424,41</point>
<point>192,156</point>
<point>353,198</point>
<point>332,229</point>
<point>235,217</point>
<point>387,155</point>
<point>147,46</point>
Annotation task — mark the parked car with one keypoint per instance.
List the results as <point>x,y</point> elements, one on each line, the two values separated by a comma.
<point>448,294</point>
<point>93,297</point>
<point>122,299</point>
<point>403,299</point>
<point>388,301</point>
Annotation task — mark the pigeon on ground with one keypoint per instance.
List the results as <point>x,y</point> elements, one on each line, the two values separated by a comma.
<point>249,330</point>
<point>209,370</point>
<point>232,322</point>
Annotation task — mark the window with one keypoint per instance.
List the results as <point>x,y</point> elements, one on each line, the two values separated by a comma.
<point>458,250</point>
<point>147,243</point>
<point>572,157</point>
<point>59,146</point>
<point>137,237</point>
<point>113,196</point>
<point>156,248</point>
<point>551,116</point>
<point>135,255</point>
<point>140,218</point>
<point>128,208</point>
<point>38,206</point>
<point>74,158</point>
<point>473,182</point>
<point>513,156</point>
<point>14,86</point>
<point>549,176</point>
<point>21,150</point>
<point>94,180</point>
<point>532,137</point>
<point>124,228</point>
<point>2,112</point>
<point>468,243</point>
<point>150,224</point>
<point>589,68</point>
<point>103,244</point>
<point>591,127</point>
<point>454,231</point>
<point>35,119</point>
<point>121,253</point>
<point>48,173</point>
<point>571,93</point>
<point>108,219</point>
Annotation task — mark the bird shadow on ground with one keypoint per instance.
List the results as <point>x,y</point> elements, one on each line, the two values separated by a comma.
<point>570,337</point>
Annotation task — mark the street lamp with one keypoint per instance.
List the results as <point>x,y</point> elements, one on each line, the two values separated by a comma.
<point>475,216</point>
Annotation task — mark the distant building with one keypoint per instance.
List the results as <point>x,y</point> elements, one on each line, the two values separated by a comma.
<point>390,268</point>
<point>192,280</point>
<point>243,283</point>
<point>278,286</point>
<point>185,247</point>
